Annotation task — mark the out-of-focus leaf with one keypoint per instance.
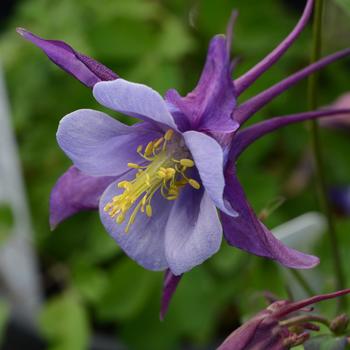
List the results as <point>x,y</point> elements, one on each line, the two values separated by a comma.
<point>327,342</point>
<point>135,9</point>
<point>89,280</point>
<point>129,287</point>
<point>345,4</point>
<point>63,322</point>
<point>174,32</point>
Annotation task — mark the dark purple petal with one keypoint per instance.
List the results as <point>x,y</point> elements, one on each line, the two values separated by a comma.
<point>85,69</point>
<point>248,233</point>
<point>247,79</point>
<point>250,107</point>
<point>247,136</point>
<point>136,100</point>
<point>169,287</point>
<point>209,106</point>
<point>75,192</point>
<point>193,232</point>
<point>99,145</point>
<point>144,242</point>
<point>209,159</point>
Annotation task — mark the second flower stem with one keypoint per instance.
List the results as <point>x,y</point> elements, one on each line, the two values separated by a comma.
<point>320,176</point>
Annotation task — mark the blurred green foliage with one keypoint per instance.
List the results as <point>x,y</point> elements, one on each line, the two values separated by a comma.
<point>94,287</point>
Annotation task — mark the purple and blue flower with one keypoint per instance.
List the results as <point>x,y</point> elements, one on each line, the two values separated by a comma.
<point>166,187</point>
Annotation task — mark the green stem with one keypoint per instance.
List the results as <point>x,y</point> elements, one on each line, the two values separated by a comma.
<point>320,175</point>
<point>303,282</point>
<point>297,320</point>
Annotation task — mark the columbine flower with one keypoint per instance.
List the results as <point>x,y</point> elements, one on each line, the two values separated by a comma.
<point>158,184</point>
<point>272,328</point>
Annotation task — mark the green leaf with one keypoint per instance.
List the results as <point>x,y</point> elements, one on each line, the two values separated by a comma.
<point>90,281</point>
<point>327,342</point>
<point>174,32</point>
<point>129,288</point>
<point>345,4</point>
<point>63,322</point>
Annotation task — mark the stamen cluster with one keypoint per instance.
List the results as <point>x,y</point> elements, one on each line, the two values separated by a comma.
<point>163,172</point>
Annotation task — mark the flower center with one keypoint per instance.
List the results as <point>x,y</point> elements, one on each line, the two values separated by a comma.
<point>165,170</point>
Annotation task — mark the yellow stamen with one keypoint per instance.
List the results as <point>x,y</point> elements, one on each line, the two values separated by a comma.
<point>169,135</point>
<point>195,184</point>
<point>158,142</point>
<point>188,163</point>
<point>124,184</point>
<point>134,166</point>
<point>165,171</point>
<point>120,218</point>
<point>149,149</point>
<point>149,210</point>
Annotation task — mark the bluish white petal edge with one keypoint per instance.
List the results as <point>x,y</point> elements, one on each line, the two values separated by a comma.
<point>99,145</point>
<point>209,159</point>
<point>193,232</point>
<point>144,243</point>
<point>133,99</point>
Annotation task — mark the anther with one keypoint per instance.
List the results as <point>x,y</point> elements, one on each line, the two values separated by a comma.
<point>133,165</point>
<point>120,218</point>
<point>124,184</point>
<point>195,184</point>
<point>188,163</point>
<point>169,135</point>
<point>148,210</point>
<point>148,183</point>
<point>158,142</point>
<point>149,149</point>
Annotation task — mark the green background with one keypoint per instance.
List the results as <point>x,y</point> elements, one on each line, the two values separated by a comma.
<point>91,286</point>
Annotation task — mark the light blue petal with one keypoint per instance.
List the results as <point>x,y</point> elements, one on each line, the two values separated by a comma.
<point>193,232</point>
<point>209,159</point>
<point>99,145</point>
<point>136,100</point>
<point>144,242</point>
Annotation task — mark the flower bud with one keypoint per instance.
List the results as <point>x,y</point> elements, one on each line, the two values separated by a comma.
<point>340,324</point>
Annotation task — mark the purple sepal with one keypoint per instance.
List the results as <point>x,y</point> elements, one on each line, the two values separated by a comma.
<point>244,111</point>
<point>170,284</point>
<point>75,192</point>
<point>247,79</point>
<point>85,69</point>
<point>209,106</point>
<point>248,233</point>
<point>250,134</point>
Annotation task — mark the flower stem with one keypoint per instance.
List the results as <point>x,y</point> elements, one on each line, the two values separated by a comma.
<point>316,144</point>
<point>303,319</point>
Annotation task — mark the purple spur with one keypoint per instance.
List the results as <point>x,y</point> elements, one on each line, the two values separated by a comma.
<point>166,187</point>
